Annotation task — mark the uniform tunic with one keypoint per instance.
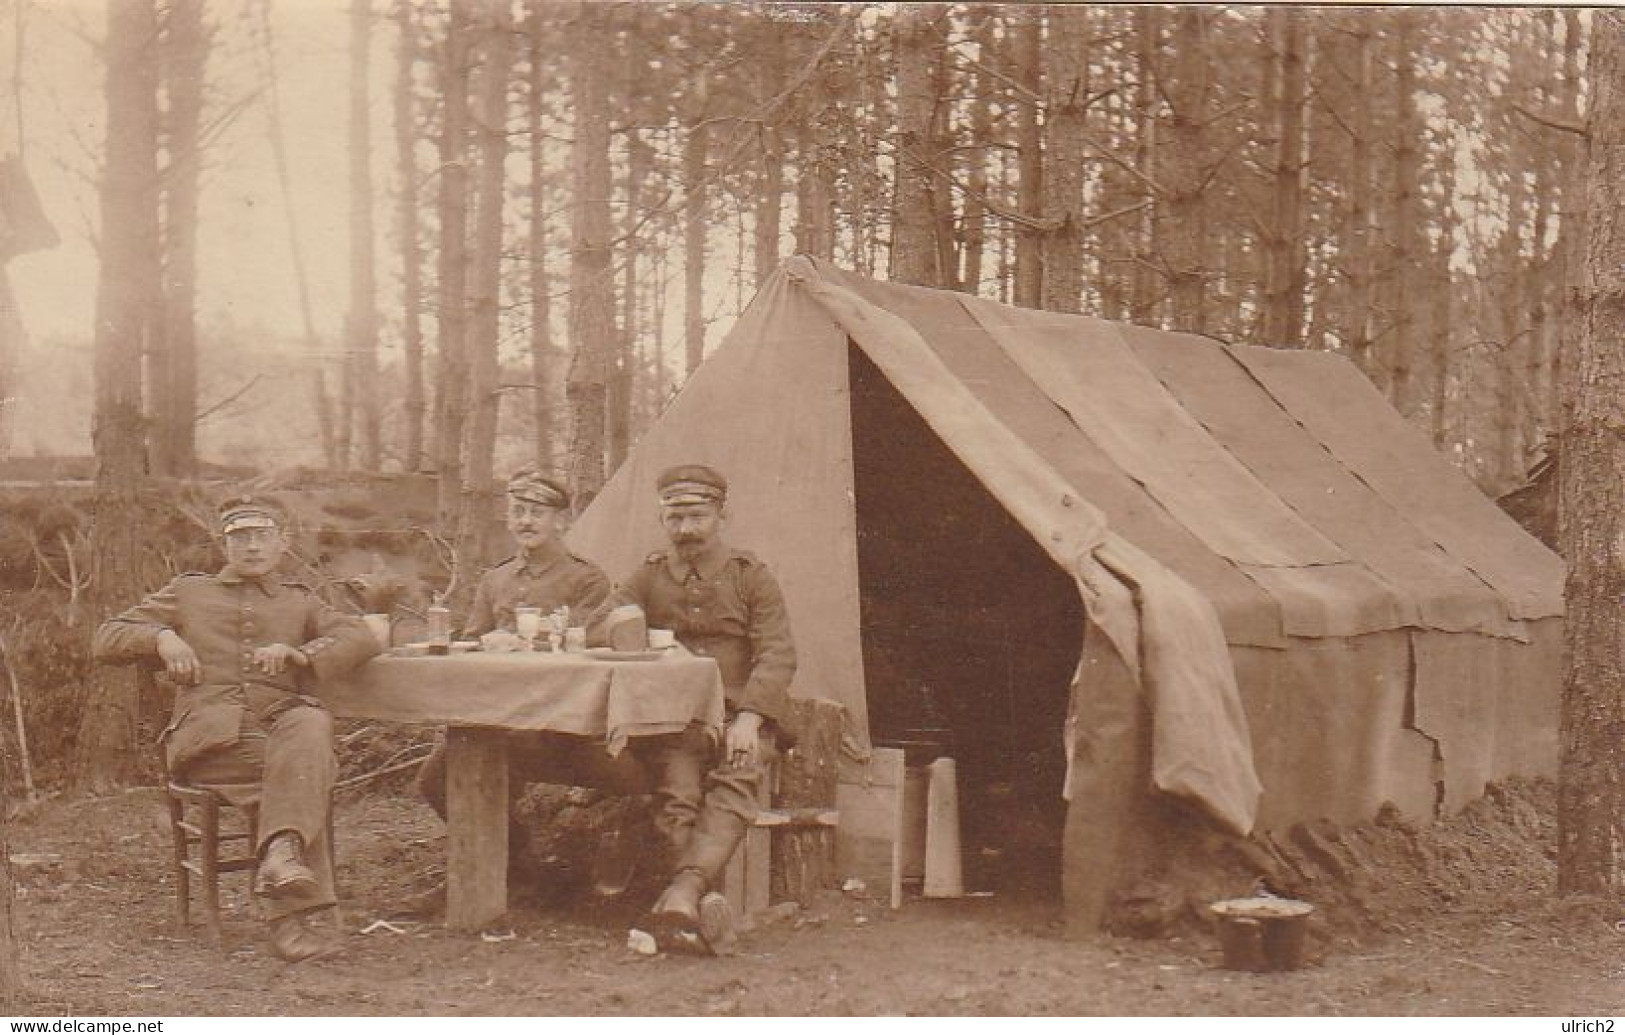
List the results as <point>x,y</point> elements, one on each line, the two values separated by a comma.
<point>728,606</point>
<point>224,618</point>
<point>550,579</point>
<point>260,741</point>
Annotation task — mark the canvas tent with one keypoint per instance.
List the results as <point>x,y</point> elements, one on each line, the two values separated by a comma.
<point>1128,568</point>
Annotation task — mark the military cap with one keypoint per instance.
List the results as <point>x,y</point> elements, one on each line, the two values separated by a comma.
<point>691,483</point>
<point>248,512</point>
<point>529,485</point>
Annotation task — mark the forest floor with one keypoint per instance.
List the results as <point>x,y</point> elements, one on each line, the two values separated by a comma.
<point>1455,919</point>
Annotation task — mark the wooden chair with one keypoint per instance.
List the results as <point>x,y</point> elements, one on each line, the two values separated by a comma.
<point>203,851</point>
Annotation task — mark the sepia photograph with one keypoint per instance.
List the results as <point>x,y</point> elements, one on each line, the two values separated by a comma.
<point>700,509</point>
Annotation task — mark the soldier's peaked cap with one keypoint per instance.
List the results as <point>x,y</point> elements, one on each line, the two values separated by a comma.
<point>248,512</point>
<point>691,483</point>
<point>532,486</point>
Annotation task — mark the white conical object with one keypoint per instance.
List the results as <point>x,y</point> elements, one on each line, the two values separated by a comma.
<point>944,875</point>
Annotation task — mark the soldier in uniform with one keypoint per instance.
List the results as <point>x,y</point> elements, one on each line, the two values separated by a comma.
<point>247,647</point>
<point>543,574</point>
<point>723,603</point>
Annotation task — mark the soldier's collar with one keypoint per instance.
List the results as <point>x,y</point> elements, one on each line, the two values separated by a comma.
<point>709,564</point>
<point>269,584</point>
<point>543,557</point>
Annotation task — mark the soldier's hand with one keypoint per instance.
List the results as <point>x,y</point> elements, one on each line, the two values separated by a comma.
<point>274,659</point>
<point>180,660</point>
<point>743,741</point>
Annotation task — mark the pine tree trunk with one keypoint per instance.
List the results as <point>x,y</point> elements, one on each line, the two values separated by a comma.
<point>361,325</point>
<point>125,314</point>
<point>11,976</point>
<point>695,157</point>
<point>815,182</point>
<point>541,286</point>
<point>627,363</point>
<point>1067,89</point>
<point>451,400</point>
<point>1144,287</point>
<point>1287,251</point>
<point>1406,220</point>
<point>983,87</point>
<point>185,52</point>
<point>918,39</point>
<point>1591,774</point>
<point>479,448</point>
<point>407,219</point>
<point>770,194</point>
<point>1183,238</point>
<point>1358,237</point>
<point>1026,55</point>
<point>592,287</point>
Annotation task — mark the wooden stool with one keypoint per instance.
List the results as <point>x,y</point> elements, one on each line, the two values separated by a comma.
<point>194,821</point>
<point>789,851</point>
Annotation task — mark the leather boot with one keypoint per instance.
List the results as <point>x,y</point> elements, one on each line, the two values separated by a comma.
<point>293,940</point>
<point>282,869</point>
<point>717,924</point>
<point>675,918</point>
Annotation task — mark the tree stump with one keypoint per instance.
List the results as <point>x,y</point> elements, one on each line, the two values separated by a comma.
<point>804,849</point>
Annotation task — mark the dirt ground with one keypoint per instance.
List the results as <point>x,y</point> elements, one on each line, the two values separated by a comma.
<point>1451,920</point>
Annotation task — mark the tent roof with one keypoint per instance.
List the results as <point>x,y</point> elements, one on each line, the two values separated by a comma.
<point>1277,483</point>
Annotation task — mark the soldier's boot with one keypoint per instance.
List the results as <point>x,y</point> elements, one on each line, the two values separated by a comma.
<point>675,918</point>
<point>282,869</point>
<point>717,924</point>
<point>294,941</point>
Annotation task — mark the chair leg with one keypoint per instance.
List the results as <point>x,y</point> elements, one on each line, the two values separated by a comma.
<point>210,848</point>
<point>183,876</point>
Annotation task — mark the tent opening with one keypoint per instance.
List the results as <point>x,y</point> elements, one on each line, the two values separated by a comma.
<point>968,627</point>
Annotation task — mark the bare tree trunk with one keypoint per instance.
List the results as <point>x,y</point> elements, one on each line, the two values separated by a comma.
<point>1183,237</point>
<point>1026,57</point>
<point>361,326</point>
<point>694,225</point>
<point>125,313</point>
<point>1286,245</point>
<point>451,400</point>
<point>1407,222</point>
<point>592,287</point>
<point>1591,774</point>
<point>815,179</point>
<point>11,975</point>
<point>1066,76</point>
<point>484,400</point>
<point>1147,39</point>
<point>918,34</point>
<point>625,367</point>
<point>185,53</point>
<point>407,218</point>
<point>770,195</point>
<point>1358,237</point>
<point>541,302</point>
<point>975,216</point>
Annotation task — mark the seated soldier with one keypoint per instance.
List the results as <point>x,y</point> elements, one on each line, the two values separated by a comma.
<point>245,646</point>
<point>724,603</point>
<point>544,575</point>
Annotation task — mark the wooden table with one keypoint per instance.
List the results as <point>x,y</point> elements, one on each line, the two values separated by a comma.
<point>481,697</point>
